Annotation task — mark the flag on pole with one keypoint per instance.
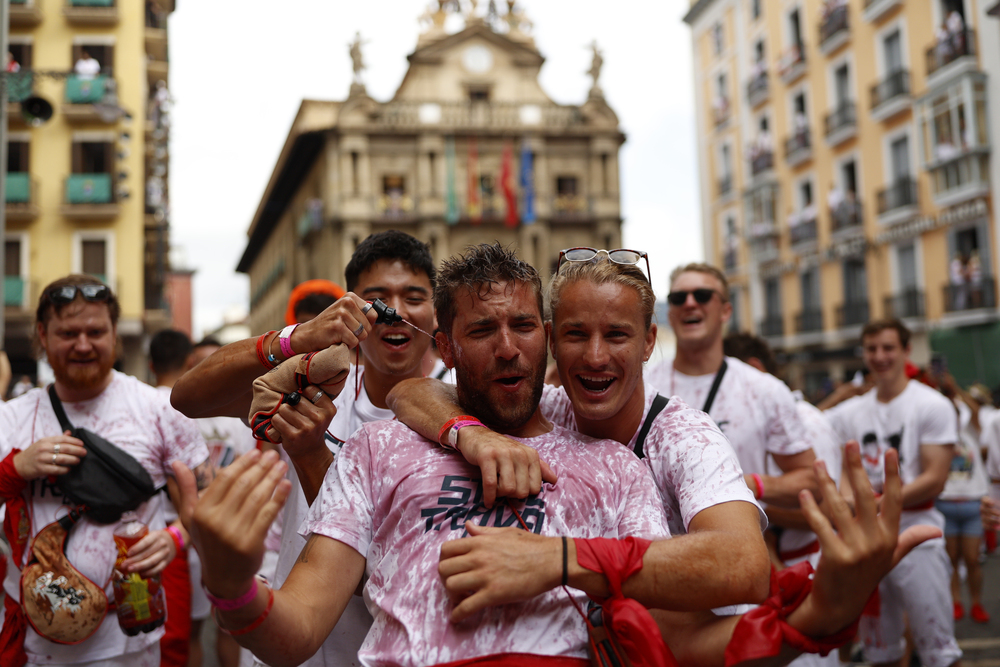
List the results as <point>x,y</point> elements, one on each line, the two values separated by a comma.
<point>506,175</point>
<point>475,197</point>
<point>451,214</point>
<point>527,184</point>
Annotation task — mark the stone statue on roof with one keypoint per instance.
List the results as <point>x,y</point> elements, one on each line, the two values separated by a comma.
<point>517,20</point>
<point>357,62</point>
<point>595,65</point>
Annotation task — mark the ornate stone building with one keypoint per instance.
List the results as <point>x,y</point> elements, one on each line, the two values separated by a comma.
<point>470,149</point>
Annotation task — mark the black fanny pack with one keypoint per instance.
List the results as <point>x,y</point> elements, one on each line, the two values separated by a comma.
<point>107,481</point>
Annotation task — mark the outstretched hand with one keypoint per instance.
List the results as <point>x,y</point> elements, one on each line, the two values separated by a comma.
<point>229,521</point>
<point>857,549</point>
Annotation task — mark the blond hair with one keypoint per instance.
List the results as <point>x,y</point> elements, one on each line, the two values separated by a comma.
<point>603,272</point>
<point>701,267</point>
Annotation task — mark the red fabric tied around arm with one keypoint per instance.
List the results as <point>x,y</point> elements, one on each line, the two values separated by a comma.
<point>762,631</point>
<point>11,483</point>
<point>631,623</point>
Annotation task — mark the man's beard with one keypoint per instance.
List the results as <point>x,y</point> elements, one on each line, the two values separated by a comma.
<point>495,413</point>
<point>82,378</point>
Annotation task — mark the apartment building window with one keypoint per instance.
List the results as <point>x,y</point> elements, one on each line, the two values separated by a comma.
<point>102,53</point>
<point>735,300</point>
<point>892,51</point>
<point>718,41</point>
<point>755,9</point>
<point>21,53</point>
<point>773,322</point>
<point>795,31</point>
<point>811,317</point>
<point>91,157</point>
<point>970,283</point>
<point>849,177</point>
<point>94,258</point>
<point>900,156</point>
<point>13,282</point>
<point>842,85</point>
<point>855,308</point>
<point>17,156</point>
<point>758,52</point>
<point>566,186</point>
<point>479,93</point>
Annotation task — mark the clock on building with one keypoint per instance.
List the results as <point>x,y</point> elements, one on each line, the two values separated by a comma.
<point>477,59</point>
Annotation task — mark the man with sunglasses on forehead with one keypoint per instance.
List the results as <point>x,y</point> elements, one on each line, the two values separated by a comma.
<point>76,328</point>
<point>755,410</point>
<point>601,333</point>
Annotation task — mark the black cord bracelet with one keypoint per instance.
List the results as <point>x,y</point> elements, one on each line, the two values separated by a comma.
<point>565,576</point>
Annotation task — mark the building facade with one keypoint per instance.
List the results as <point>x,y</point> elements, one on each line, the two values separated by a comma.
<point>86,191</point>
<point>446,160</point>
<point>847,173</point>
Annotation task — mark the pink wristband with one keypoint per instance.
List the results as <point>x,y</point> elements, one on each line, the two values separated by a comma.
<point>178,538</point>
<point>759,483</point>
<point>285,341</point>
<point>223,604</point>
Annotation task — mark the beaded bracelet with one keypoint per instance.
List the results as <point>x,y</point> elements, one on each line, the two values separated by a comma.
<point>254,624</point>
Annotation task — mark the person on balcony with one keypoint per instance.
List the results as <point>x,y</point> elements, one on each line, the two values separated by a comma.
<point>12,64</point>
<point>956,31</point>
<point>87,68</point>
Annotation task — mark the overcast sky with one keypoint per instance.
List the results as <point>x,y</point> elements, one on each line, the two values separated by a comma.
<point>238,72</point>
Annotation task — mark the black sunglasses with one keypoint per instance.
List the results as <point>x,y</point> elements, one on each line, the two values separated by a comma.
<point>67,293</point>
<point>702,295</point>
<point>620,256</point>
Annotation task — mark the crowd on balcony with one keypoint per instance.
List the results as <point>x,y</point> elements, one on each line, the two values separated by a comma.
<point>950,39</point>
<point>965,274</point>
<point>829,8</point>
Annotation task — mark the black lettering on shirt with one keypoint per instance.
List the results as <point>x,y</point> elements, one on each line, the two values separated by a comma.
<point>461,501</point>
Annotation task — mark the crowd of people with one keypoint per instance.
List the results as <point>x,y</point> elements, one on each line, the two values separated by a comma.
<point>431,500</point>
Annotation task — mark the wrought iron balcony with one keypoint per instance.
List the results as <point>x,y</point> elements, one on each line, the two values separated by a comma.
<point>762,162</point>
<point>91,12</point>
<point>980,293</point>
<point>18,187</point>
<point>13,291</point>
<point>89,189</point>
<point>772,325</point>
<point>758,89</point>
<point>730,260</point>
<point>809,320</point>
<point>725,185</point>
<point>909,303</point>
<point>792,63</point>
<point>20,86</point>
<point>85,91</point>
<point>798,147</point>
<point>898,195</point>
<point>847,215</point>
<point>804,232</point>
<point>852,313</point>
<point>951,48</point>
<point>834,29</point>
<point>841,123</point>
<point>893,88</point>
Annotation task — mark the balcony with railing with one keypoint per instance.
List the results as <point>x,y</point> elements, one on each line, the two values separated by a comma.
<point>772,325</point>
<point>841,124</point>
<point>25,13</point>
<point>852,313</point>
<point>761,161</point>
<point>726,185</point>
<point>91,12</point>
<point>85,98</point>
<point>407,114</point>
<point>847,215</point>
<point>897,201</point>
<point>834,29</point>
<point>906,304</point>
<point>758,89</point>
<point>564,207</point>
<point>953,54</point>
<point>15,292</point>
<point>876,9</point>
<point>721,110</point>
<point>971,295</point>
<point>809,320</point>
<point>19,195</point>
<point>89,197</point>
<point>730,259</point>
<point>891,95</point>
<point>792,64</point>
<point>20,86</point>
<point>803,230</point>
<point>798,147</point>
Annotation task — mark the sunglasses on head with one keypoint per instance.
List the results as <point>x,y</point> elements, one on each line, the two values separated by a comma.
<point>619,256</point>
<point>701,295</point>
<point>67,293</point>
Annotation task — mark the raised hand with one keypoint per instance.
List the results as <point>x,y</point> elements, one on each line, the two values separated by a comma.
<point>49,456</point>
<point>857,549</point>
<point>229,521</point>
<point>343,322</point>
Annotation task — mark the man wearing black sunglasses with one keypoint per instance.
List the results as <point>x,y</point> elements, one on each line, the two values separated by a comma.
<point>76,328</point>
<point>755,410</point>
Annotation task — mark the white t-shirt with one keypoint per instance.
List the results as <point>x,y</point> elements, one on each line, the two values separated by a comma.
<point>692,463</point>
<point>396,497</point>
<point>756,411</point>
<point>87,68</point>
<point>139,420</point>
<point>353,410</point>
<point>826,445</point>
<point>991,440</point>
<point>918,416</point>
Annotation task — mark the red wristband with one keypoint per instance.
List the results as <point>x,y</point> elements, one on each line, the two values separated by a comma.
<point>455,423</point>
<point>178,538</point>
<point>265,358</point>
<point>762,631</point>
<point>759,483</point>
<point>255,623</point>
